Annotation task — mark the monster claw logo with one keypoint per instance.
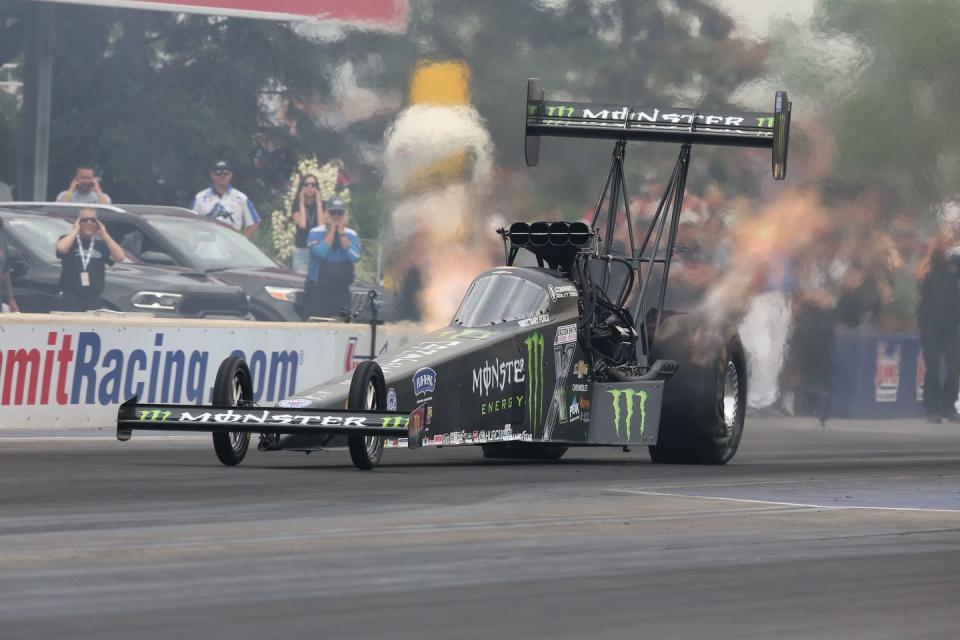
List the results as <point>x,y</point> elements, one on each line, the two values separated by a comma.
<point>394,422</point>
<point>154,415</point>
<point>534,378</point>
<point>629,395</point>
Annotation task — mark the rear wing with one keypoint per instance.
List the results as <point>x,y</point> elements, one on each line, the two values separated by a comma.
<point>657,124</point>
<point>132,416</point>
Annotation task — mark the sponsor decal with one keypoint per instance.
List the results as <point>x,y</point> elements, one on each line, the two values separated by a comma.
<point>583,388</point>
<point>562,291</point>
<point>566,334</point>
<point>416,426</point>
<point>294,403</point>
<point>534,393</point>
<point>395,422</point>
<point>438,439</point>
<point>501,404</point>
<point>424,381</point>
<point>630,398</point>
<point>497,376</point>
<point>563,347</point>
<point>887,378</point>
<point>584,403</point>
<point>268,417</point>
<point>534,321</point>
<point>580,369</point>
<point>154,415</point>
<point>429,414</point>
<point>77,368</point>
<point>575,408</point>
<point>617,115</point>
<point>391,399</point>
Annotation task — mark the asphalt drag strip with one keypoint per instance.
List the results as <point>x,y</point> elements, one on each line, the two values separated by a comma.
<point>852,531</point>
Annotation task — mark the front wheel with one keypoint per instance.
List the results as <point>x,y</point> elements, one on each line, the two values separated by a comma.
<point>367,393</point>
<point>233,387</point>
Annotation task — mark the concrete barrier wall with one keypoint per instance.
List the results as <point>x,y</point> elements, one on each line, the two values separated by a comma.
<point>66,371</point>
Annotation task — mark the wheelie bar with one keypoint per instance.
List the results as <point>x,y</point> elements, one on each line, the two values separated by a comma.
<point>174,417</point>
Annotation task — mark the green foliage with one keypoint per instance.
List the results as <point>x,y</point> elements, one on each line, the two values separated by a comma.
<point>894,122</point>
<point>152,98</point>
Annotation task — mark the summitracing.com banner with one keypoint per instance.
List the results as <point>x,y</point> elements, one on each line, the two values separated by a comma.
<point>74,371</point>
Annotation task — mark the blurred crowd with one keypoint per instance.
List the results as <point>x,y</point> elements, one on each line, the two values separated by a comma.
<point>846,261</point>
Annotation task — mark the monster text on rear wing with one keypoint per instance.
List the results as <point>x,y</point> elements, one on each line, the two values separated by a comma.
<point>657,124</point>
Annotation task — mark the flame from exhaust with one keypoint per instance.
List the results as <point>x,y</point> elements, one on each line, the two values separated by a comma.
<point>439,162</point>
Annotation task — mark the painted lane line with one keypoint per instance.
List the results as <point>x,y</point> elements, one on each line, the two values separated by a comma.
<point>799,505</point>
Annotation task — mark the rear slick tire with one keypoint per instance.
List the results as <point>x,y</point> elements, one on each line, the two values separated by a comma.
<point>233,388</point>
<point>703,404</point>
<point>368,392</point>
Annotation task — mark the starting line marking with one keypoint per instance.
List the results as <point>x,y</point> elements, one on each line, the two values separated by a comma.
<point>91,438</point>
<point>779,503</point>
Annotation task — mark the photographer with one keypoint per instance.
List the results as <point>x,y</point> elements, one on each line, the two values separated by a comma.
<point>938,314</point>
<point>334,248</point>
<point>84,254</point>
<point>84,188</point>
<point>6,286</point>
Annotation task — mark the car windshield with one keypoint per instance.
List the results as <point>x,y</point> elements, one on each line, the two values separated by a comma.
<point>211,246</point>
<point>39,234</point>
<point>499,298</point>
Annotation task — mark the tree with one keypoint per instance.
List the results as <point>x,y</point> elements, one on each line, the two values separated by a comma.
<point>894,121</point>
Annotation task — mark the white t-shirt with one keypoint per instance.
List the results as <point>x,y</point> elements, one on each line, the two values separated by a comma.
<point>233,208</point>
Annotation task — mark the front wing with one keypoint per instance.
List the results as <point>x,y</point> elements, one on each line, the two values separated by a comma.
<point>175,417</point>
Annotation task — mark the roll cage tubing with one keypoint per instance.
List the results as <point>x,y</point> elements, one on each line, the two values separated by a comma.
<point>622,124</point>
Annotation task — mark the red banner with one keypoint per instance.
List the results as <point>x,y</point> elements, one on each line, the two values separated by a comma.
<point>378,14</point>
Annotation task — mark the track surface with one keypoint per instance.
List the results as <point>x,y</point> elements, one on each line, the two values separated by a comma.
<point>852,531</point>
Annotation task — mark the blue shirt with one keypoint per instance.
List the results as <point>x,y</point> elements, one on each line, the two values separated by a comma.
<point>319,251</point>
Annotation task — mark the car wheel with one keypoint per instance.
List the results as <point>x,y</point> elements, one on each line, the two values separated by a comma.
<point>367,393</point>
<point>702,418</point>
<point>523,451</point>
<point>233,387</point>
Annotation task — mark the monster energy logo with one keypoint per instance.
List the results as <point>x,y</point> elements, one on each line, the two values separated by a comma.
<point>394,422</point>
<point>154,415</point>
<point>629,395</point>
<point>765,123</point>
<point>534,378</point>
<point>560,111</point>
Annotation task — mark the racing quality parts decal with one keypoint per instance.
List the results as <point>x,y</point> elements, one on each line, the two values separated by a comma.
<point>534,344</point>
<point>629,396</point>
<point>562,291</point>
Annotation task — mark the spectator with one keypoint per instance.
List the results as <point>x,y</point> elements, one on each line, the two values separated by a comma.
<point>6,286</point>
<point>84,254</point>
<point>938,314</point>
<point>334,248</point>
<point>225,204</point>
<point>84,188</point>
<point>306,211</point>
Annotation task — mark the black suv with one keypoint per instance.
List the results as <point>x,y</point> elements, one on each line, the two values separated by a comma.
<point>31,235</point>
<point>174,237</point>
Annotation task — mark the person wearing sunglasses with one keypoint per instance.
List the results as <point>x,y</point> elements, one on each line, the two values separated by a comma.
<point>225,204</point>
<point>305,211</point>
<point>334,249</point>
<point>84,188</point>
<point>84,254</point>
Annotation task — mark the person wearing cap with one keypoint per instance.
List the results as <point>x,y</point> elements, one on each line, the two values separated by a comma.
<point>225,204</point>
<point>334,249</point>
